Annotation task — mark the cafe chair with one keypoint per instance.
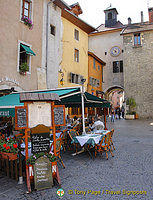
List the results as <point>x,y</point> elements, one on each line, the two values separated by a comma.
<point>73,133</point>
<point>111,141</point>
<point>104,145</point>
<point>87,129</point>
<point>58,150</point>
<point>63,137</point>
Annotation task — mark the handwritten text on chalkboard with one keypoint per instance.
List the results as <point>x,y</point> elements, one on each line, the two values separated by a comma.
<point>40,142</point>
<point>42,173</point>
<point>21,117</point>
<point>59,115</point>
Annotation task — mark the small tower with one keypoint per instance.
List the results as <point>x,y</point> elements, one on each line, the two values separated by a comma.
<point>110,16</point>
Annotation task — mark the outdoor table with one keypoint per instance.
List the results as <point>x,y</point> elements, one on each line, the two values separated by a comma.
<point>89,139</point>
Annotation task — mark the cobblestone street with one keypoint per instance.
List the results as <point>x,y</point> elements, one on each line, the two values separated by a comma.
<point>131,169</point>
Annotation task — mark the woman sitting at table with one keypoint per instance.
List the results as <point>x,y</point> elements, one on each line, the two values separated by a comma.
<point>98,125</point>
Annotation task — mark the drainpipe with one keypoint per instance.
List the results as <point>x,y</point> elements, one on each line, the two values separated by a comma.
<point>47,23</point>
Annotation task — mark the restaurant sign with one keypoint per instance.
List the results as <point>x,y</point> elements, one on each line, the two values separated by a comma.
<point>7,112</point>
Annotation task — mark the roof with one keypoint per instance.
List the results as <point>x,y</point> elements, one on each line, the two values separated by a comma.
<point>62,4</point>
<point>77,21</point>
<point>110,8</point>
<point>96,57</point>
<point>79,7</point>
<point>137,28</point>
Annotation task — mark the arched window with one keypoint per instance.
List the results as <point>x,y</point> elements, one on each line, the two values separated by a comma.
<point>109,15</point>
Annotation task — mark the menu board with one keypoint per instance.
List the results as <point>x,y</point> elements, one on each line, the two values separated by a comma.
<point>43,173</point>
<point>40,142</point>
<point>21,117</point>
<point>59,115</point>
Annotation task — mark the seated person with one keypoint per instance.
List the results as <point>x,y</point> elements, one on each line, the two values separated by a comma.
<point>98,125</point>
<point>75,122</point>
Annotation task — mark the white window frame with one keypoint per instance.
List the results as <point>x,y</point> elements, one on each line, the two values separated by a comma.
<point>31,14</point>
<point>21,42</point>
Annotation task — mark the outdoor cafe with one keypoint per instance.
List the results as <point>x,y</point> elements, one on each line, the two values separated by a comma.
<point>31,151</point>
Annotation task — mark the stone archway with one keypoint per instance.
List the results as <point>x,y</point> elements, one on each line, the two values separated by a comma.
<point>115,95</point>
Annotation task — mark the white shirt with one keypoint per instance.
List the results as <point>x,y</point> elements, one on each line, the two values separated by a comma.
<point>98,125</point>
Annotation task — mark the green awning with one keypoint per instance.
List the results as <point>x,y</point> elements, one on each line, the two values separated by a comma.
<point>28,50</point>
<point>70,97</point>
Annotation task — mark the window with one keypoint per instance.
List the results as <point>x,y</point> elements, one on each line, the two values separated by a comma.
<point>26,8</point>
<point>76,34</point>
<point>94,63</point>
<point>98,83</point>
<point>109,15</point>
<point>98,67</point>
<point>105,53</point>
<point>75,78</point>
<point>23,57</point>
<point>117,66</point>
<point>52,30</point>
<point>76,55</point>
<point>137,39</point>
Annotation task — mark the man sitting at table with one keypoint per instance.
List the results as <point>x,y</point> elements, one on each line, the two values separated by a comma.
<point>98,125</point>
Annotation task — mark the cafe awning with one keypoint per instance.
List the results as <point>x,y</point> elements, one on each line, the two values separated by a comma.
<point>70,97</point>
<point>28,50</point>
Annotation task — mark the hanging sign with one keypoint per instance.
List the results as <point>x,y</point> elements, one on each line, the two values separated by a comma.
<point>21,117</point>
<point>43,174</point>
<point>59,115</point>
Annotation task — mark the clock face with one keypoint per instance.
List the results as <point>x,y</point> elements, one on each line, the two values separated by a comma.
<point>115,51</point>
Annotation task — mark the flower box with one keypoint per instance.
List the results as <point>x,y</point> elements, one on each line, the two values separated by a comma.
<point>10,156</point>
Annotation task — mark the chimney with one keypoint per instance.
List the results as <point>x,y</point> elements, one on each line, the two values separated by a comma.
<point>129,20</point>
<point>150,11</point>
<point>141,17</point>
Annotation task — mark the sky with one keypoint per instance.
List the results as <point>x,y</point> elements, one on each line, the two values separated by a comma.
<point>94,15</point>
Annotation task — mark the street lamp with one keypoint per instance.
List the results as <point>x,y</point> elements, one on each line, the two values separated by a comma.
<point>82,99</point>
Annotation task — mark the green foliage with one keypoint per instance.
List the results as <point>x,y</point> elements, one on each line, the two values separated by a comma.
<point>33,158</point>
<point>24,67</point>
<point>132,104</point>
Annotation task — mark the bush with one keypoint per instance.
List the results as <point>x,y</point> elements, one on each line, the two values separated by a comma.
<point>24,67</point>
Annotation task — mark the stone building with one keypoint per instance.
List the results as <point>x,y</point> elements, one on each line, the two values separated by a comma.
<point>138,64</point>
<point>107,44</point>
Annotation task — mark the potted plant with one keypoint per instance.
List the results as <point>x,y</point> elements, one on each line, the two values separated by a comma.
<point>24,67</point>
<point>27,21</point>
<point>9,148</point>
<point>131,111</point>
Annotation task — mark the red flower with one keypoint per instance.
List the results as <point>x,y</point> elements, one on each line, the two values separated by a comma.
<point>4,145</point>
<point>7,139</point>
<point>8,147</point>
<point>15,146</point>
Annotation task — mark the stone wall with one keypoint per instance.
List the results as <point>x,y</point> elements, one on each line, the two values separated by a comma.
<point>138,72</point>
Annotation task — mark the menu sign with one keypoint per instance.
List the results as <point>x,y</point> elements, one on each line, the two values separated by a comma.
<point>21,117</point>
<point>59,115</point>
<point>43,173</point>
<point>40,142</point>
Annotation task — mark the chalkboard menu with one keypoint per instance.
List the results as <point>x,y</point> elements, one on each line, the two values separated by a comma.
<point>43,173</point>
<point>40,142</point>
<point>59,115</point>
<point>21,117</point>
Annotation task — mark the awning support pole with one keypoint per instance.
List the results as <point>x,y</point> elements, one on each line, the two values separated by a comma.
<point>83,118</point>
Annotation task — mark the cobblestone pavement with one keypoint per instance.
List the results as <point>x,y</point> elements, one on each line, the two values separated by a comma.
<point>130,170</point>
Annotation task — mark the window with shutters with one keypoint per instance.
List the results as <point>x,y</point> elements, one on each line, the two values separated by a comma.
<point>137,39</point>
<point>76,34</point>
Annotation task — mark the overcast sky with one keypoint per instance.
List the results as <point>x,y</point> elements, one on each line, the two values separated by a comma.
<point>94,15</point>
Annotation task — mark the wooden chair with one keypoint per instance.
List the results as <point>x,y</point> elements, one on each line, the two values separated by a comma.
<point>63,137</point>
<point>104,145</point>
<point>58,149</point>
<point>73,133</point>
<point>111,141</point>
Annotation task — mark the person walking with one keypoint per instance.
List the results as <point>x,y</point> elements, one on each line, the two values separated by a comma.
<point>119,113</point>
<point>112,115</point>
<point>123,111</point>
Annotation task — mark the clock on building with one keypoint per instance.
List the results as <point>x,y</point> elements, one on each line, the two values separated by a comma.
<point>115,51</point>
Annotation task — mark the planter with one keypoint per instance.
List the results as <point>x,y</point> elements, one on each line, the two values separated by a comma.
<point>129,116</point>
<point>22,73</point>
<point>10,156</point>
<point>136,116</point>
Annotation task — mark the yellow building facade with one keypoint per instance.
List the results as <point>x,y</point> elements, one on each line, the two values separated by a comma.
<point>74,66</point>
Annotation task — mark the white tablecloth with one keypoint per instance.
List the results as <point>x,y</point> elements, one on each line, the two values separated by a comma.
<point>82,139</point>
